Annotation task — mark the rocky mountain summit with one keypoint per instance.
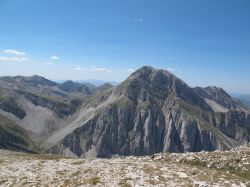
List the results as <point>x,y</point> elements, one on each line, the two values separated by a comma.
<point>152,111</point>
<point>204,169</point>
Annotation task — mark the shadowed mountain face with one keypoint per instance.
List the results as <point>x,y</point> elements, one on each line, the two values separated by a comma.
<point>13,137</point>
<point>152,111</point>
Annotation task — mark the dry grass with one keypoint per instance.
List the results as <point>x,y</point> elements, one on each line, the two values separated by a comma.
<point>94,180</point>
<point>75,174</point>
<point>124,182</point>
<point>87,170</point>
<point>47,157</point>
<point>2,181</point>
<point>61,173</point>
<point>79,162</point>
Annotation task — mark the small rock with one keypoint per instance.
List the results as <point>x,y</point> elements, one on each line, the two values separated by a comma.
<point>226,183</point>
<point>242,185</point>
<point>203,184</point>
<point>235,185</point>
<point>156,177</point>
<point>182,174</point>
<point>194,171</point>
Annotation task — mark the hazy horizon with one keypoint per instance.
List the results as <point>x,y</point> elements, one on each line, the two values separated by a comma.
<point>205,43</point>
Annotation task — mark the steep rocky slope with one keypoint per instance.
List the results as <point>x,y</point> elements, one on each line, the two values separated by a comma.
<point>219,100</point>
<point>41,106</point>
<point>154,111</point>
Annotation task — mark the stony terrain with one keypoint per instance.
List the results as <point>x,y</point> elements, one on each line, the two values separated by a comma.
<point>229,168</point>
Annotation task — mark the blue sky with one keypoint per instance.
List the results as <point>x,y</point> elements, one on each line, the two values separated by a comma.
<point>204,42</point>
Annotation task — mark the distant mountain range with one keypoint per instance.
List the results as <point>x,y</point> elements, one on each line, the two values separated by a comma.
<point>152,111</point>
<point>94,82</point>
<point>244,99</point>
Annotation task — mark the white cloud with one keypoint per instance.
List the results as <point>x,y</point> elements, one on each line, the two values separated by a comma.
<point>131,70</point>
<point>17,58</point>
<point>50,63</point>
<point>139,20</point>
<point>78,68</point>
<point>14,52</point>
<point>55,58</point>
<point>13,55</point>
<point>94,69</point>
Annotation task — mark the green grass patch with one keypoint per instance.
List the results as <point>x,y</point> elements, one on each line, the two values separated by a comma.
<point>238,172</point>
<point>195,163</point>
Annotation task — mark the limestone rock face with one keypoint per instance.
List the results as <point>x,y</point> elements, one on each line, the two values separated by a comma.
<point>154,111</point>
<point>220,97</point>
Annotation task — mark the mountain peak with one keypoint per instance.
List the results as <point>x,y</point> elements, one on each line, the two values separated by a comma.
<point>155,86</point>
<point>147,80</point>
<point>146,71</point>
<point>36,79</point>
<point>217,90</point>
<point>69,82</point>
<point>71,86</point>
<point>106,85</point>
<point>30,80</point>
<point>146,68</point>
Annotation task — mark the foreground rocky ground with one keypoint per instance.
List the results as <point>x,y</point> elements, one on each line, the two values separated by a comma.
<point>229,168</point>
